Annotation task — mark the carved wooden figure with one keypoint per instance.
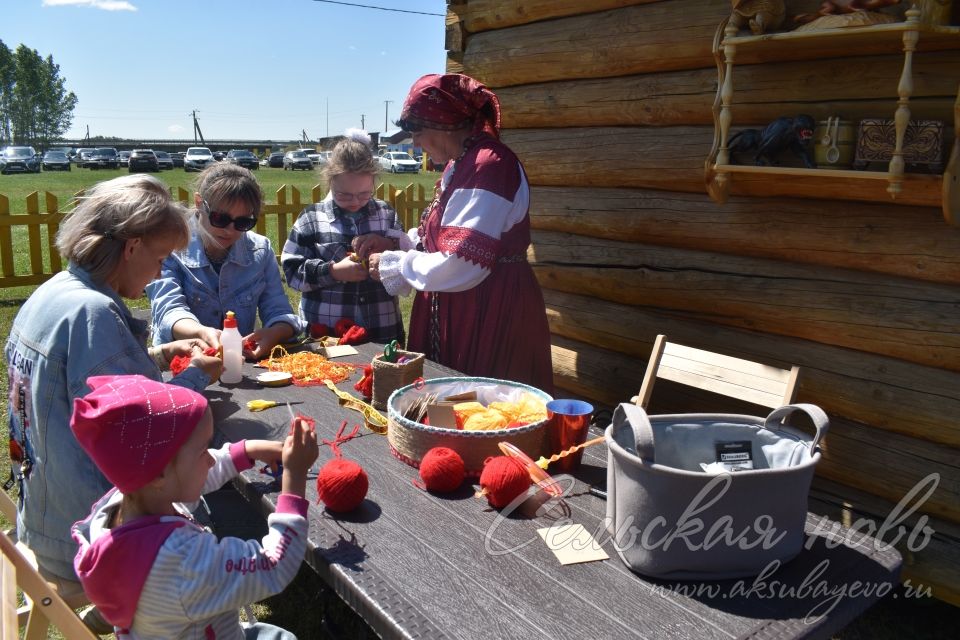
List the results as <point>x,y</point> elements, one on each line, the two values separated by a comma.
<point>761,16</point>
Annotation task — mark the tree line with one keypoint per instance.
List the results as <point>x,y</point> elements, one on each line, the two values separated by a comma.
<point>35,106</point>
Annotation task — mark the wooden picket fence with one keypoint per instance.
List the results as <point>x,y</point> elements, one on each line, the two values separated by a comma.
<point>42,225</point>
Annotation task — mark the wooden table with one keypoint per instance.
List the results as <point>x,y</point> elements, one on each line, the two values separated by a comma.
<point>414,564</point>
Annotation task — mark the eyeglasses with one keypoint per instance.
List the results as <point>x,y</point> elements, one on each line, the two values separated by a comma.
<point>222,220</point>
<point>363,196</point>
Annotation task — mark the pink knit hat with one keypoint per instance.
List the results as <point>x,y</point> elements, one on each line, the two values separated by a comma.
<point>132,426</point>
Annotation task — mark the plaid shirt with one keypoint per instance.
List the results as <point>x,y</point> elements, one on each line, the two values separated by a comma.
<point>320,237</point>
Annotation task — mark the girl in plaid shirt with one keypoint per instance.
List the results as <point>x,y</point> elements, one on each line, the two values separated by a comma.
<point>317,258</point>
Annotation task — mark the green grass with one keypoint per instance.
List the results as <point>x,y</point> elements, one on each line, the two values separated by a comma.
<point>308,607</point>
<point>63,184</point>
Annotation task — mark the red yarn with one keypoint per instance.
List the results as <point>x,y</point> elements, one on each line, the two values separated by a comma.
<point>365,384</point>
<point>442,470</point>
<point>179,363</point>
<point>503,479</point>
<point>342,485</point>
<point>319,330</point>
<point>341,326</point>
<point>354,335</point>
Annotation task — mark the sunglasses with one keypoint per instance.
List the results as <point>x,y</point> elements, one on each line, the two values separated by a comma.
<point>222,220</point>
<point>408,126</point>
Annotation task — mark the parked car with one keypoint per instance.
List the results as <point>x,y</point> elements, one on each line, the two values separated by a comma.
<point>197,159</point>
<point>143,160</point>
<point>55,161</point>
<point>124,157</point>
<point>398,162</point>
<point>82,157</point>
<point>219,156</point>
<point>19,160</point>
<point>243,158</point>
<point>103,158</point>
<point>275,160</point>
<point>177,158</point>
<point>298,159</point>
<point>314,156</point>
<point>164,160</point>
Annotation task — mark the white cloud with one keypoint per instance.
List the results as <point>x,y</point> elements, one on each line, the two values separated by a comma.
<point>352,47</point>
<point>175,128</point>
<point>106,5</point>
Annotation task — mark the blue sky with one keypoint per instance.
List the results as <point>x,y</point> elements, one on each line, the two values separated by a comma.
<point>252,69</point>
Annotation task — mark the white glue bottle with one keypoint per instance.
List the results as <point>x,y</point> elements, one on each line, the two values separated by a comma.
<point>232,351</point>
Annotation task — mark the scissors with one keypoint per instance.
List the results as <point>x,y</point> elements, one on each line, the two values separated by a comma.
<point>390,351</point>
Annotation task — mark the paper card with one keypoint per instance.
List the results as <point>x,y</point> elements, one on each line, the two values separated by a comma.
<point>571,543</point>
<point>340,350</point>
<point>442,415</point>
<point>466,396</point>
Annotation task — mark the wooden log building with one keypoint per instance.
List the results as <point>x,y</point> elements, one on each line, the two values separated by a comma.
<point>610,105</point>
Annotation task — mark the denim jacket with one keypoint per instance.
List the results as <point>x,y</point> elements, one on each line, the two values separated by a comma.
<point>249,281</point>
<point>71,328</point>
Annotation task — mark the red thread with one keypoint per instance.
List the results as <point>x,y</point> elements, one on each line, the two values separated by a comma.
<point>442,470</point>
<point>503,479</point>
<point>341,327</point>
<point>342,484</point>
<point>354,335</point>
<point>365,384</point>
<point>319,330</point>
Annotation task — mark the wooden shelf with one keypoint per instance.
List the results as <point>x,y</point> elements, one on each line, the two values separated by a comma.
<point>921,190</point>
<point>905,38</point>
<point>835,43</point>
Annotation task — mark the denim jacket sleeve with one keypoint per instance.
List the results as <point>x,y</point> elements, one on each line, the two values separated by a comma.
<point>168,304</point>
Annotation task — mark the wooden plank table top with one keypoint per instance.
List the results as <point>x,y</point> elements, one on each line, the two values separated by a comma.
<point>415,565</point>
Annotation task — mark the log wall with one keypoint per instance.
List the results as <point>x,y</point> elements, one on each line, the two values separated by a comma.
<point>609,106</point>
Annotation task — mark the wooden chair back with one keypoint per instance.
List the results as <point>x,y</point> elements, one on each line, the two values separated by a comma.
<point>43,605</point>
<point>733,377</point>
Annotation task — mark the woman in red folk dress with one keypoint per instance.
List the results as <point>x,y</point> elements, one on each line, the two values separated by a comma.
<point>479,308</point>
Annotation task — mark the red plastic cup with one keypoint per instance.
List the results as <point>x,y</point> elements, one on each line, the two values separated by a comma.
<point>568,423</point>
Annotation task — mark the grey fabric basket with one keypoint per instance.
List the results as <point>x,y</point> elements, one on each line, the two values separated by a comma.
<point>670,519</point>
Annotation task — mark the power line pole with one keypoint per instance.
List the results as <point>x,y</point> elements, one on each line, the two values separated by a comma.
<point>363,124</point>
<point>386,114</point>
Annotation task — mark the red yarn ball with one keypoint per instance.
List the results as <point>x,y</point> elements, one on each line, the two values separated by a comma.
<point>342,485</point>
<point>442,470</point>
<point>503,479</point>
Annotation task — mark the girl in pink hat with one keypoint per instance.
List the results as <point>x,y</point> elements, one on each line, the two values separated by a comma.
<point>148,567</point>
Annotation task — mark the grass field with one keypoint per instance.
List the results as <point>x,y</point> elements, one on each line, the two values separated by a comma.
<point>307,607</point>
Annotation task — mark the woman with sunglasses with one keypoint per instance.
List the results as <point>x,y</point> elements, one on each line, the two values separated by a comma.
<point>226,267</point>
<point>325,255</point>
<point>479,308</point>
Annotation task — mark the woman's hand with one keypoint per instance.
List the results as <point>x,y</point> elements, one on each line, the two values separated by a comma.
<point>210,365</point>
<point>373,266</point>
<point>185,347</point>
<point>348,271</point>
<point>370,243</point>
<point>265,339</point>
<point>186,328</point>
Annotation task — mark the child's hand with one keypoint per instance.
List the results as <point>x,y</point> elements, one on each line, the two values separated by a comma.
<point>300,451</point>
<point>264,451</point>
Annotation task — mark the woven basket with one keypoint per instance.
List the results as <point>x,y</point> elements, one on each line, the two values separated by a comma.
<point>390,376</point>
<point>410,441</point>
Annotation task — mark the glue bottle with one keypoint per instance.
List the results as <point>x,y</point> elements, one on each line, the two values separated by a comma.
<point>232,351</point>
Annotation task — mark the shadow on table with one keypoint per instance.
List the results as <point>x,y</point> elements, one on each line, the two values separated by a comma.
<point>826,578</point>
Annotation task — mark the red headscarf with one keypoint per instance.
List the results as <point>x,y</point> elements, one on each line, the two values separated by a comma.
<point>449,102</point>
